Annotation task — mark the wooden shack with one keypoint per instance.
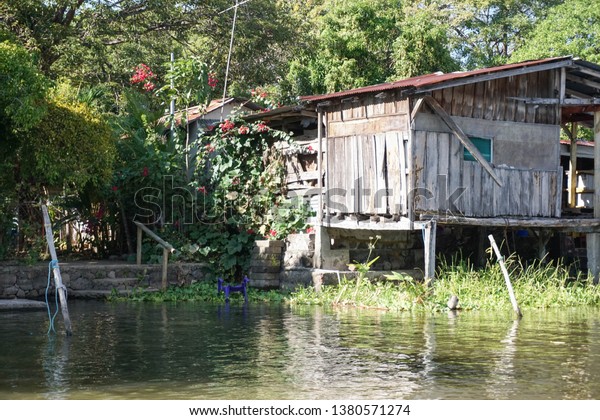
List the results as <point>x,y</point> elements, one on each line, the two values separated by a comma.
<point>478,148</point>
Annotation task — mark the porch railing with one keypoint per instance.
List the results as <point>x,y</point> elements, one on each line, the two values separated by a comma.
<point>167,249</point>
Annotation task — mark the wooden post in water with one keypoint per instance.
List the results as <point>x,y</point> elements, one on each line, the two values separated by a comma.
<point>511,292</point>
<point>56,271</point>
<point>429,245</point>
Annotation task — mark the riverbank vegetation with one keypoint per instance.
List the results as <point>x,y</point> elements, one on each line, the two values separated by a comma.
<point>537,285</point>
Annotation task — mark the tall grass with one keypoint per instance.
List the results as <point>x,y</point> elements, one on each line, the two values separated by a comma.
<point>538,285</point>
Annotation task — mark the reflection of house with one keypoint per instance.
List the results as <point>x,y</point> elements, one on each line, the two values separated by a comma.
<point>477,148</point>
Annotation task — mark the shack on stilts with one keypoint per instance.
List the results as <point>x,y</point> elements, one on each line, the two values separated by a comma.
<point>477,148</point>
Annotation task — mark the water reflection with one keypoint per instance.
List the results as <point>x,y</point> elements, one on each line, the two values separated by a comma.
<point>205,351</point>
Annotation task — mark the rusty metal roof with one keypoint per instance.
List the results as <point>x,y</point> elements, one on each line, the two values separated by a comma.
<point>430,80</point>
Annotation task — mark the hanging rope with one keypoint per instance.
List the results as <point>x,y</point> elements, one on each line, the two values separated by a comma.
<point>51,266</point>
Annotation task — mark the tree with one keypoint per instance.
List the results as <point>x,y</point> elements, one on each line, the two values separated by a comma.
<point>485,33</point>
<point>422,47</point>
<point>571,28</point>
<point>22,88</point>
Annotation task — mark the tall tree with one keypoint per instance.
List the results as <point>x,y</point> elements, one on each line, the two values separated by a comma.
<point>572,28</point>
<point>486,32</point>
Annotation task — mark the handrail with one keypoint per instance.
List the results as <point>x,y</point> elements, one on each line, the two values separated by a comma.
<point>167,249</point>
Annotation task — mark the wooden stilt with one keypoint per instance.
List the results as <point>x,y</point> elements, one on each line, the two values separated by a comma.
<point>593,239</point>
<point>317,259</point>
<point>62,295</point>
<point>429,245</point>
<point>573,168</point>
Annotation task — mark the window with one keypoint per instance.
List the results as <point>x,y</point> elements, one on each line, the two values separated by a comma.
<point>483,145</point>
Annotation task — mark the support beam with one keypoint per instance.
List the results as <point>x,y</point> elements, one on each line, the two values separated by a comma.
<point>593,239</point>
<point>317,260</point>
<point>58,283</point>
<point>437,108</point>
<point>573,167</point>
<point>429,244</point>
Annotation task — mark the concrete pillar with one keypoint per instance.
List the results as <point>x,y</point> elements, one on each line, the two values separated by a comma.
<point>593,239</point>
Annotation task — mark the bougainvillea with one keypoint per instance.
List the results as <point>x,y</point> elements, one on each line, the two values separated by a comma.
<point>143,75</point>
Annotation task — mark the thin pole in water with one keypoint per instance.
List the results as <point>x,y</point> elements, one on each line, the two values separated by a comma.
<point>56,270</point>
<point>511,292</point>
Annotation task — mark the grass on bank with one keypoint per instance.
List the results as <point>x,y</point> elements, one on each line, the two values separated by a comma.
<point>538,285</point>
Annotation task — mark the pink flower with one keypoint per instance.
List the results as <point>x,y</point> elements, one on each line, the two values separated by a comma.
<point>145,171</point>
<point>236,181</point>
<point>262,127</point>
<point>310,148</point>
<point>272,233</point>
<point>209,148</point>
<point>212,80</point>
<point>226,126</point>
<point>310,229</point>
<point>244,129</point>
<point>148,86</point>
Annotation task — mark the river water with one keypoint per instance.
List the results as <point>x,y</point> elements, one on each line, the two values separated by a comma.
<point>207,351</point>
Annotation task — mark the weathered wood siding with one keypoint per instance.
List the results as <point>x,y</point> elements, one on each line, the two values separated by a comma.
<point>366,156</point>
<point>367,174</point>
<point>446,183</point>
<point>490,101</point>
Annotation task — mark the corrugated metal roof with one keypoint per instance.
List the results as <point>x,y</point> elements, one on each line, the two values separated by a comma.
<point>433,79</point>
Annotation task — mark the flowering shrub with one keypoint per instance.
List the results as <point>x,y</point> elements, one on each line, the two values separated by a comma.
<point>143,75</point>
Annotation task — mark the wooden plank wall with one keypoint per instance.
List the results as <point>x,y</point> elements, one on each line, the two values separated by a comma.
<point>368,174</point>
<point>440,171</point>
<point>366,156</point>
<point>489,100</point>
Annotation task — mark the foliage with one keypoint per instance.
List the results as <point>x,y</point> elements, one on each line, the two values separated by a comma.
<point>422,47</point>
<point>204,291</point>
<point>71,146</point>
<point>571,28</point>
<point>485,33</point>
<point>22,88</point>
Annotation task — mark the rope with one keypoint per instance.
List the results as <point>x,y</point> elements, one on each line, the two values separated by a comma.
<point>53,264</point>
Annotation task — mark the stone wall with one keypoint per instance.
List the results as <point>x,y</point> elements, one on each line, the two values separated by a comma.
<point>93,279</point>
<point>397,250</point>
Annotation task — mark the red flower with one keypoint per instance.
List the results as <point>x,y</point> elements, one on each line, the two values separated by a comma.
<point>310,148</point>
<point>115,188</point>
<point>310,229</point>
<point>226,126</point>
<point>250,232</point>
<point>210,127</point>
<point>244,129</point>
<point>202,190</point>
<point>272,233</point>
<point>212,80</point>
<point>142,73</point>
<point>262,128</point>
<point>263,94</point>
<point>145,171</point>
<point>209,148</point>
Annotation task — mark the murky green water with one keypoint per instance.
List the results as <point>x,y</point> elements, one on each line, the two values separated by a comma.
<point>202,351</point>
